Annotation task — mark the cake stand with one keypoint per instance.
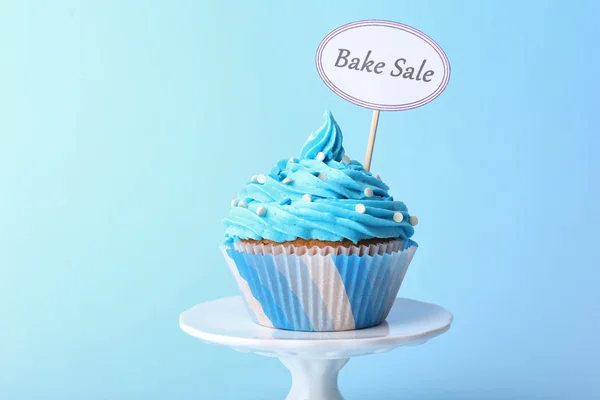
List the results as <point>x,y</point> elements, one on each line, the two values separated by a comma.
<point>313,358</point>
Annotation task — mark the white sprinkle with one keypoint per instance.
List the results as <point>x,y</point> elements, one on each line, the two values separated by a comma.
<point>311,136</point>
<point>261,178</point>
<point>287,180</point>
<point>413,220</point>
<point>398,217</point>
<point>242,204</point>
<point>322,176</point>
<point>261,210</point>
<point>346,159</point>
<point>360,208</point>
<point>378,177</point>
<point>292,160</point>
<point>307,198</point>
<point>320,156</point>
<point>253,179</point>
<point>234,202</point>
<point>368,192</point>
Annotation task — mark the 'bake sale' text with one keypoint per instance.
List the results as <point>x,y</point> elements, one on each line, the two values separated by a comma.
<point>401,67</point>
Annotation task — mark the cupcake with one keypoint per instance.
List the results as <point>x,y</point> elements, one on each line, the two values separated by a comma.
<point>318,243</point>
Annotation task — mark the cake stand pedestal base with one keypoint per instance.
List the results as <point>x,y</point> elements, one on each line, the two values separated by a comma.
<point>314,379</point>
<point>313,358</point>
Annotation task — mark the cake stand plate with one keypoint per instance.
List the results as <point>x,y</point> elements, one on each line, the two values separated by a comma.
<point>313,358</point>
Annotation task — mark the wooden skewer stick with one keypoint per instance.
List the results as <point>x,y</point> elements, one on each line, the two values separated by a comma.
<point>371,143</point>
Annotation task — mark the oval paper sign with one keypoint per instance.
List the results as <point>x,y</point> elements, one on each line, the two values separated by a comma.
<point>383,65</point>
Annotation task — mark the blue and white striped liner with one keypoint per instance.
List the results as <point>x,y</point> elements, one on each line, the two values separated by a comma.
<point>319,292</point>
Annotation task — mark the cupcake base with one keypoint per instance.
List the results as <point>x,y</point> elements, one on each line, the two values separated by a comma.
<point>318,288</point>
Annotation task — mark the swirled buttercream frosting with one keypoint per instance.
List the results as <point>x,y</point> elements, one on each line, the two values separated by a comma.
<point>322,195</point>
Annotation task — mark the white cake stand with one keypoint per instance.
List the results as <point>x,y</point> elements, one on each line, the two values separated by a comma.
<point>313,358</point>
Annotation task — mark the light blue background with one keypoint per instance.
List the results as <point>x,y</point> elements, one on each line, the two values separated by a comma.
<point>126,127</point>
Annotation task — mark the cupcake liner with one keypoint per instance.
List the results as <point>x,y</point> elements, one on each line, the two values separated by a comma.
<point>319,289</point>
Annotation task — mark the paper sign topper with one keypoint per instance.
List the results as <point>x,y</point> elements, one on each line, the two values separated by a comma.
<point>383,65</point>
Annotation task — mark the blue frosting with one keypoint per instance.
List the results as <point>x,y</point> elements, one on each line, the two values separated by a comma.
<point>328,140</point>
<point>331,214</point>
